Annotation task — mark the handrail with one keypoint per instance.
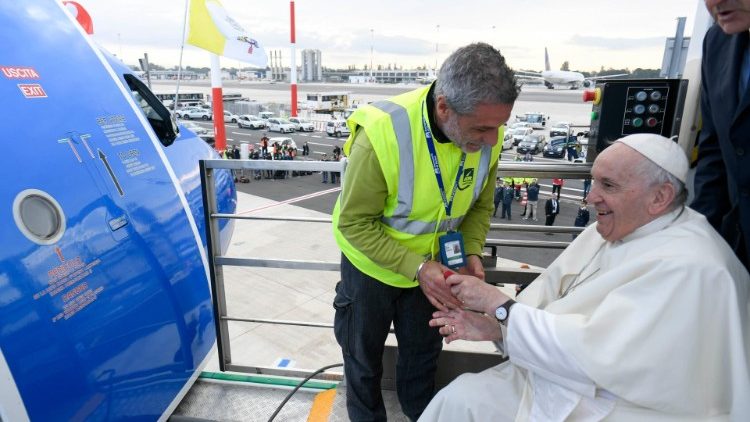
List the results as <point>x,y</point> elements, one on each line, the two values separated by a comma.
<point>217,260</point>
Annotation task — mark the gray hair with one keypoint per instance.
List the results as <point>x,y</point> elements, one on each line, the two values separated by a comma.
<point>474,74</point>
<point>655,175</point>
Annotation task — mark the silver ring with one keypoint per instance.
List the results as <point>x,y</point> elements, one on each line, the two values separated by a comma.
<point>453,329</point>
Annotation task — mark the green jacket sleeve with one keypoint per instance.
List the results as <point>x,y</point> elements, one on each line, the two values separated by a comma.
<point>361,207</point>
<point>476,223</point>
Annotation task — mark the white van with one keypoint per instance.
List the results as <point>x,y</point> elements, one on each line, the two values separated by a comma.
<point>337,128</point>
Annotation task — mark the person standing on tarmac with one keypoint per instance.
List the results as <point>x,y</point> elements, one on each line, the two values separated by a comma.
<point>417,200</point>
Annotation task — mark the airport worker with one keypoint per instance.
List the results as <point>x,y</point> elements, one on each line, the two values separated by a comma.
<point>557,185</point>
<point>325,173</point>
<point>582,216</point>
<point>722,176</point>
<point>416,199</point>
<point>532,198</point>
<point>507,201</point>
<point>498,196</point>
<point>644,317</point>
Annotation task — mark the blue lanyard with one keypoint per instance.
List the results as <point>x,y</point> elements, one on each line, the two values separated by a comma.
<point>436,167</point>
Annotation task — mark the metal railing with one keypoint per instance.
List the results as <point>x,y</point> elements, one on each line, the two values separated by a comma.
<point>216,260</point>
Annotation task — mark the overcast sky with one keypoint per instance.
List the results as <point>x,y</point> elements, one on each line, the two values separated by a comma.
<point>589,34</point>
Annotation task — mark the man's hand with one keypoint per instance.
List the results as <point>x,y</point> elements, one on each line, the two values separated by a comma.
<point>473,267</point>
<point>458,324</point>
<point>475,294</point>
<point>433,285</point>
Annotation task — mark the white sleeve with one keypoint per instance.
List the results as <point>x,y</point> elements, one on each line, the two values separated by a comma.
<point>531,343</point>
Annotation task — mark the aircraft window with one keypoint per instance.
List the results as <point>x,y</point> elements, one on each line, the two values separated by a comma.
<point>160,119</point>
<point>39,216</point>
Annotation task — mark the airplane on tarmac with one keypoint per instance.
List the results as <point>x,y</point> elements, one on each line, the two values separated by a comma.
<point>574,80</point>
<point>105,304</point>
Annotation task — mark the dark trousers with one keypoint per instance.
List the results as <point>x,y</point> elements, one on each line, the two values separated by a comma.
<point>506,210</point>
<point>550,221</point>
<point>556,189</point>
<point>365,308</point>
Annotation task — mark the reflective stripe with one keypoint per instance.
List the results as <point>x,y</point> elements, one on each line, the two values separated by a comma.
<point>402,127</point>
<point>484,167</point>
<point>400,218</point>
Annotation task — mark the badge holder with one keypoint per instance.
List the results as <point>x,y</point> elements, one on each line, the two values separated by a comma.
<point>452,250</point>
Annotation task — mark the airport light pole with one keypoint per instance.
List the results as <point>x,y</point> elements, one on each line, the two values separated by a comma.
<point>436,49</point>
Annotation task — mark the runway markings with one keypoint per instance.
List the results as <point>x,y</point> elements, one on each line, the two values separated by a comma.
<point>316,143</point>
<point>293,200</point>
<point>316,136</point>
<point>240,133</point>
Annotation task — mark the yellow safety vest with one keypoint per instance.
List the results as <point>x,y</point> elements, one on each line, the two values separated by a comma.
<point>414,213</point>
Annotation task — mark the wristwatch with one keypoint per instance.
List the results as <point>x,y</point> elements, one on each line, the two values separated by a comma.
<point>503,311</point>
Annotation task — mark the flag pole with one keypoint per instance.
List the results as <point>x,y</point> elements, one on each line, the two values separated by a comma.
<point>217,101</point>
<point>294,57</point>
<point>182,48</point>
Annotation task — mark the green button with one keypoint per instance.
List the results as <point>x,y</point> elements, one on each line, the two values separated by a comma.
<point>637,122</point>
<point>594,115</point>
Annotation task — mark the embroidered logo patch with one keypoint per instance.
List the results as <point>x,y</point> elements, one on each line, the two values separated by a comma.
<point>467,179</point>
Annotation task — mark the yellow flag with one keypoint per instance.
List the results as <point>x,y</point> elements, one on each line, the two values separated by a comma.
<point>213,30</point>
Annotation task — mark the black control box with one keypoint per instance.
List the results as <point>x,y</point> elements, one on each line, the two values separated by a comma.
<point>629,106</point>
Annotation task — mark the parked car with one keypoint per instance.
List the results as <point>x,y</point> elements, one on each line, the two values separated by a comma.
<point>302,125</point>
<point>515,125</point>
<point>556,147</point>
<point>230,117</point>
<point>507,142</point>
<point>560,129</point>
<point>265,115</point>
<point>194,113</point>
<point>532,143</point>
<point>517,134</point>
<point>337,128</point>
<point>280,125</point>
<point>250,121</point>
<point>283,141</point>
<point>203,133</point>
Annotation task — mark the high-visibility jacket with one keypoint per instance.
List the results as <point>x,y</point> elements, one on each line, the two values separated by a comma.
<point>414,213</point>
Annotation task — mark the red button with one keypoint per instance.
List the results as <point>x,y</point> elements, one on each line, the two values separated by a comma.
<point>589,96</point>
<point>651,122</point>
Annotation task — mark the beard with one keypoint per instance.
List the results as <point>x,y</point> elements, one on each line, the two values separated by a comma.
<point>452,130</point>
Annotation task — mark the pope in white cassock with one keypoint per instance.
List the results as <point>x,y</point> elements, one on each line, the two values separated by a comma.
<point>644,317</point>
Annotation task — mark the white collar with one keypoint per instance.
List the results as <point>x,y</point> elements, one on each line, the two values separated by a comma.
<point>660,223</point>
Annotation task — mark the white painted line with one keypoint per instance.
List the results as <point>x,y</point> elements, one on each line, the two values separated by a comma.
<point>302,134</point>
<point>292,200</point>
<point>316,143</point>
<point>316,136</point>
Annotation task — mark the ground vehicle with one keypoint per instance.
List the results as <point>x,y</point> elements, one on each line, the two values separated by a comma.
<point>302,125</point>
<point>507,142</point>
<point>556,147</point>
<point>184,99</point>
<point>534,119</point>
<point>280,125</point>
<point>560,129</point>
<point>194,113</point>
<point>518,124</point>
<point>265,115</point>
<point>250,121</point>
<point>518,134</point>
<point>203,133</point>
<point>230,117</point>
<point>337,128</point>
<point>532,143</point>
<point>283,142</point>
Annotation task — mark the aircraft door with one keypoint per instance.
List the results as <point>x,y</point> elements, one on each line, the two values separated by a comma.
<point>102,284</point>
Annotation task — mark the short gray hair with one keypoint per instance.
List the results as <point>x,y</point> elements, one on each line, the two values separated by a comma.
<point>474,74</point>
<point>655,175</point>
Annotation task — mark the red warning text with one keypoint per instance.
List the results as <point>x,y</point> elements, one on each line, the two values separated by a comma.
<point>13,72</point>
<point>32,90</point>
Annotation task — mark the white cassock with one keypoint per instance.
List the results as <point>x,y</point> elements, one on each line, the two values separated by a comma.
<point>653,327</point>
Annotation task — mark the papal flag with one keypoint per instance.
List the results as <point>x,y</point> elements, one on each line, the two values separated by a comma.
<point>213,30</point>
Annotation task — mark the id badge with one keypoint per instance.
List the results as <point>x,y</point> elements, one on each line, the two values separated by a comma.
<point>452,250</point>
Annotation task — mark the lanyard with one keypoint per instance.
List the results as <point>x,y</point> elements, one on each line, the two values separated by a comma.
<point>436,167</point>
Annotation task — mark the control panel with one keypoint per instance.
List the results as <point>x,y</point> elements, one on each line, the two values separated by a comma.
<point>624,107</point>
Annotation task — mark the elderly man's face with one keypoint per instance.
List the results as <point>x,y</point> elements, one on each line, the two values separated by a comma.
<point>733,16</point>
<point>472,131</point>
<point>619,194</point>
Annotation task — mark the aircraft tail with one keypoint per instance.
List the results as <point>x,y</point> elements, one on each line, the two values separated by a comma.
<point>546,60</point>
